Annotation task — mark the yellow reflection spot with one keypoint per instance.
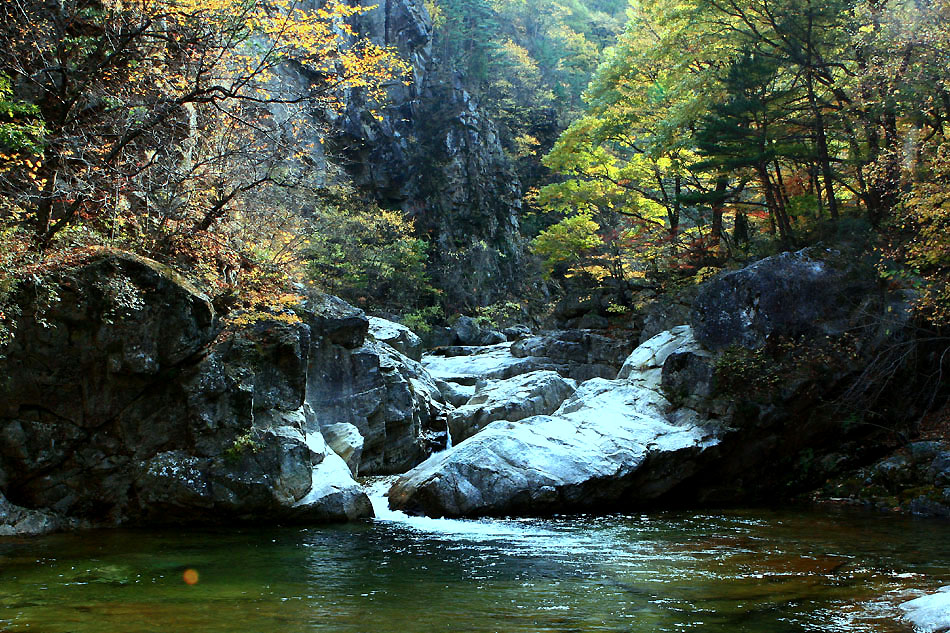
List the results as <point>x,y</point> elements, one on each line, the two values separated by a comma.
<point>190,577</point>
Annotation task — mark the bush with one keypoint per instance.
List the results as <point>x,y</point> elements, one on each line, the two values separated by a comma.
<point>370,258</point>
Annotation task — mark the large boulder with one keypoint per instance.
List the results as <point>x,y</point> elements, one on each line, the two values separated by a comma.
<point>587,455</point>
<point>388,397</point>
<point>771,400</point>
<point>397,336</point>
<point>810,293</point>
<point>469,332</point>
<point>580,354</point>
<point>123,401</point>
<point>534,393</point>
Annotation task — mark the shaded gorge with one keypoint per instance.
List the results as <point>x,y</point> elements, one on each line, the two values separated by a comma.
<point>755,570</point>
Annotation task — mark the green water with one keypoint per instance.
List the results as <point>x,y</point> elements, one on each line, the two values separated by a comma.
<point>719,572</point>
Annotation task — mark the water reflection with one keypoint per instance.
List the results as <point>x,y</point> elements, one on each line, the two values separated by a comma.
<point>751,571</point>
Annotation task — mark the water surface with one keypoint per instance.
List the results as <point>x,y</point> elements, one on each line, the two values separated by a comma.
<point>735,571</point>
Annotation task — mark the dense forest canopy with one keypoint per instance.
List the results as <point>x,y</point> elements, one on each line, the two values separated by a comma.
<point>167,127</point>
<point>712,122</point>
<point>656,139</point>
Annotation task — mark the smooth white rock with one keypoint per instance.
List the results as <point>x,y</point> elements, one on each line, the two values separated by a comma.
<point>346,441</point>
<point>534,393</point>
<point>646,362</point>
<point>930,613</point>
<point>494,362</point>
<point>397,336</point>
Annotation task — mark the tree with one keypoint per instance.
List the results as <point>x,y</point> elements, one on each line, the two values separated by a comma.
<point>159,117</point>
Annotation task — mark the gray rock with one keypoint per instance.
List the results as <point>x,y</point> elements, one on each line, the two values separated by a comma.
<point>336,321</point>
<point>646,362</point>
<point>577,354</point>
<point>534,393</point>
<point>433,148</point>
<point>459,350</point>
<point>15,520</point>
<point>939,469</point>
<point>346,441</point>
<point>389,397</point>
<point>454,393</point>
<point>923,451</point>
<point>811,293</point>
<point>516,332</point>
<point>469,332</point>
<point>666,313</point>
<point>585,456</point>
<point>397,336</point>
<point>593,321</point>
<point>439,336</point>
<point>924,506</point>
<point>610,444</point>
<point>132,406</point>
<point>333,495</point>
<point>489,362</point>
<point>893,471</point>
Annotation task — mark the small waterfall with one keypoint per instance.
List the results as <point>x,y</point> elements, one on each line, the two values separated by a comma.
<point>448,435</point>
<point>377,489</point>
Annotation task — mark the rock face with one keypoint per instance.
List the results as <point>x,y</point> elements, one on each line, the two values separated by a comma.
<point>534,393</point>
<point>122,400</point>
<point>437,156</point>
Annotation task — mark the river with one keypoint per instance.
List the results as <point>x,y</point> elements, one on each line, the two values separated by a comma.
<point>725,571</point>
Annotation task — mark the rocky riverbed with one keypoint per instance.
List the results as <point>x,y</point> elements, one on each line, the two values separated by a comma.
<point>128,400</point>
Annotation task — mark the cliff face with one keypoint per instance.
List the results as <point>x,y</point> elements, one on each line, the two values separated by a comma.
<point>123,399</point>
<point>436,156</point>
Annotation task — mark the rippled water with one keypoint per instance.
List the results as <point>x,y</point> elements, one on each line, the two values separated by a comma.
<point>769,571</point>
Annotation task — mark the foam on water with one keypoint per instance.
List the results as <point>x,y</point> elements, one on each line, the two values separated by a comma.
<point>377,488</point>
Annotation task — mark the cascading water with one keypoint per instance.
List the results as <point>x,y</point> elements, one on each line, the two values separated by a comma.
<point>377,489</point>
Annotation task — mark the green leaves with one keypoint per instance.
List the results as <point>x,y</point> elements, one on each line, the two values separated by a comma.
<point>567,242</point>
